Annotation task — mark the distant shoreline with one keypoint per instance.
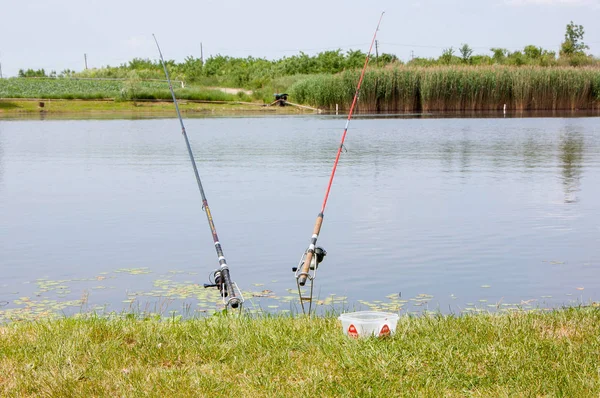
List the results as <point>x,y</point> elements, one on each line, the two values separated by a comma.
<point>57,107</point>
<point>31,109</point>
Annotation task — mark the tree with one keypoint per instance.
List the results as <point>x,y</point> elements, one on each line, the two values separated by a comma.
<point>532,52</point>
<point>447,55</point>
<point>515,58</point>
<point>32,73</point>
<point>385,59</point>
<point>192,68</point>
<point>354,59</point>
<point>465,53</point>
<point>67,73</point>
<point>331,61</point>
<point>481,60</point>
<point>499,54</point>
<point>573,43</point>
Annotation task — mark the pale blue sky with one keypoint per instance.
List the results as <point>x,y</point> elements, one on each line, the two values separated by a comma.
<point>54,35</point>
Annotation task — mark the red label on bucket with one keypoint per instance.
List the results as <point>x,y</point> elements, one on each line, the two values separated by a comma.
<point>352,332</point>
<point>385,331</point>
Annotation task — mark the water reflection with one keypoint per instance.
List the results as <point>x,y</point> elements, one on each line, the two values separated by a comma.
<point>534,151</point>
<point>466,148</point>
<point>571,149</point>
<point>459,152</point>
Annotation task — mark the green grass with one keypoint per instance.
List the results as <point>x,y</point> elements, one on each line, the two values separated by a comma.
<point>455,88</point>
<point>515,354</point>
<point>107,109</point>
<point>6,105</point>
<point>277,85</point>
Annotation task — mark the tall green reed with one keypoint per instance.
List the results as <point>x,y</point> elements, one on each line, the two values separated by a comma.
<point>455,88</point>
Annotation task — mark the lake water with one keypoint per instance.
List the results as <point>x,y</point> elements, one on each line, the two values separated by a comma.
<point>438,214</point>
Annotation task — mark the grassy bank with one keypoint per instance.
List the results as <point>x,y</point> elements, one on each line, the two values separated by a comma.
<point>23,96</point>
<point>455,88</point>
<point>521,353</point>
<point>98,108</point>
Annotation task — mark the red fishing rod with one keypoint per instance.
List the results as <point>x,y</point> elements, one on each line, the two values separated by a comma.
<point>314,255</point>
<point>231,294</point>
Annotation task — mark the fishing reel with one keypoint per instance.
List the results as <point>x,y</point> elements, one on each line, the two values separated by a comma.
<point>218,283</point>
<point>231,298</point>
<point>319,256</point>
<point>320,253</point>
<point>306,294</point>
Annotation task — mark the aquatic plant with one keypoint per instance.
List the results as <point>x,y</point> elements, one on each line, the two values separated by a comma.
<point>456,88</point>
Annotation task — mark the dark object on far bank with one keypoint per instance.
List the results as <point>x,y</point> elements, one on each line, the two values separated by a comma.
<point>281,98</point>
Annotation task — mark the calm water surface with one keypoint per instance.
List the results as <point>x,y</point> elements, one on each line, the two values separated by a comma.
<point>453,214</point>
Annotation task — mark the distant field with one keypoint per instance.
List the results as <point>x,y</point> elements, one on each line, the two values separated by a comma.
<point>66,88</point>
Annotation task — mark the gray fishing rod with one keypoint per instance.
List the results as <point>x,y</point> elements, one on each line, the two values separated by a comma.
<point>231,294</point>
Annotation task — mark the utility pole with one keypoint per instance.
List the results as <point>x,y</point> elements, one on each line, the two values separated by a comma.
<point>201,54</point>
<point>85,59</point>
<point>376,53</point>
<point>412,55</point>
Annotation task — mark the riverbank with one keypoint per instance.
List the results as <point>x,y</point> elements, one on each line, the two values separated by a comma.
<point>394,89</point>
<point>99,108</point>
<point>519,353</point>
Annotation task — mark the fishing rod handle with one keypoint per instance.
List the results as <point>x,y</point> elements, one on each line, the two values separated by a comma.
<point>235,302</point>
<point>311,251</point>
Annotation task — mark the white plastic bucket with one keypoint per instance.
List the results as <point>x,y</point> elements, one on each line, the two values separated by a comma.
<point>368,323</point>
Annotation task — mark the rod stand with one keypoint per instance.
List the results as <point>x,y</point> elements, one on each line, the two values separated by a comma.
<point>236,300</point>
<point>233,299</point>
<point>311,275</point>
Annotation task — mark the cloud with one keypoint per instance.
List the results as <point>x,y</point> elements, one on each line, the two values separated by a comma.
<point>570,3</point>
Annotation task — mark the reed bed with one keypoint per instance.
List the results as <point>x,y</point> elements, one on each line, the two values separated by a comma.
<point>455,88</point>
